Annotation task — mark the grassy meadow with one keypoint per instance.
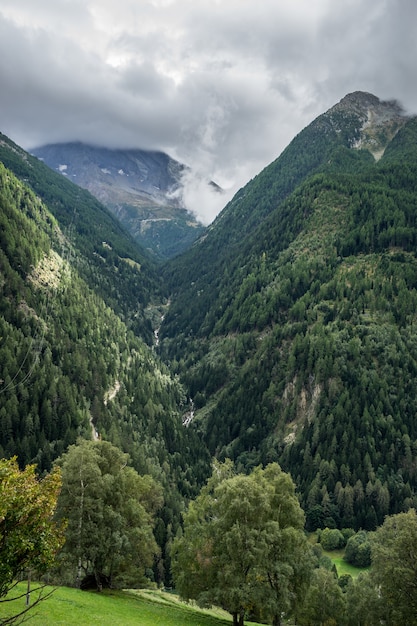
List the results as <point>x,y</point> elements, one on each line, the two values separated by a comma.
<point>69,607</point>
<point>336,556</point>
<point>342,566</point>
<point>72,607</point>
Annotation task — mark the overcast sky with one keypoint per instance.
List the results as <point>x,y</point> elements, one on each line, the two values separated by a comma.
<point>222,85</point>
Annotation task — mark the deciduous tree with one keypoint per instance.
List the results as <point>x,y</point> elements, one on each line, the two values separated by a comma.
<point>358,549</point>
<point>324,603</point>
<point>110,510</point>
<point>243,547</point>
<point>394,566</point>
<point>29,536</point>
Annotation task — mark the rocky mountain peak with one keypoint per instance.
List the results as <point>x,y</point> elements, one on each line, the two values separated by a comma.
<point>361,101</point>
<point>378,120</point>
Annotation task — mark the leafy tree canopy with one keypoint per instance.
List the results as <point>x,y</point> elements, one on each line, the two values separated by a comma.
<point>358,549</point>
<point>394,565</point>
<point>110,510</point>
<point>29,536</point>
<point>324,602</point>
<point>243,546</point>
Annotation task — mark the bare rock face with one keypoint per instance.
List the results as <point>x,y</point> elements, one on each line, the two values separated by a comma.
<point>142,188</point>
<point>361,101</point>
<point>378,120</point>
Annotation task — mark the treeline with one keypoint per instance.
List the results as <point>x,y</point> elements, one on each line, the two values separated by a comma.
<point>244,549</point>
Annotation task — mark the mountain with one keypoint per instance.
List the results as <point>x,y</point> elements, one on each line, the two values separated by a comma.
<point>109,260</point>
<point>221,256</point>
<point>287,332</point>
<point>292,321</point>
<point>142,188</point>
<point>77,360</point>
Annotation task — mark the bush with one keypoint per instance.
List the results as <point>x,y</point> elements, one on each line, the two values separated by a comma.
<point>347,533</point>
<point>344,581</point>
<point>326,563</point>
<point>358,550</point>
<point>332,539</point>
<point>317,551</point>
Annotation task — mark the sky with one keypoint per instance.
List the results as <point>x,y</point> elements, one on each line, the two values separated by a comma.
<point>221,85</point>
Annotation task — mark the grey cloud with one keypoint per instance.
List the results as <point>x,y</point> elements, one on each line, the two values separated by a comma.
<point>221,86</point>
<point>142,80</point>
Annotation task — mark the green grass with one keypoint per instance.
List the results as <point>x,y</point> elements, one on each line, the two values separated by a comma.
<point>336,556</point>
<point>116,608</point>
<point>342,566</point>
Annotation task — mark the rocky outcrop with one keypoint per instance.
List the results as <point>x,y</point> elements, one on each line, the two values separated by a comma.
<point>379,120</point>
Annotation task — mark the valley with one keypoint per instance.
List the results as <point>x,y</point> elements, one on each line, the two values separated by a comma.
<point>283,337</point>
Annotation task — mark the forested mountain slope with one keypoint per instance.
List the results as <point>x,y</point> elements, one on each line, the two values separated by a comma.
<point>107,258</point>
<point>294,327</point>
<point>220,258</point>
<point>71,365</point>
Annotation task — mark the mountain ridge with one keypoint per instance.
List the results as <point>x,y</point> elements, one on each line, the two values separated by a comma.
<point>380,120</point>
<point>342,126</point>
<point>310,295</point>
<point>76,351</point>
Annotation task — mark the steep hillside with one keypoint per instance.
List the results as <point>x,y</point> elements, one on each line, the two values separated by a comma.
<point>294,325</point>
<point>214,267</point>
<point>107,258</point>
<point>71,365</point>
<point>289,328</point>
<point>142,188</point>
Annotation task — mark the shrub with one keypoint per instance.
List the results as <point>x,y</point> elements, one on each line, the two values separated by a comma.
<point>358,549</point>
<point>332,539</point>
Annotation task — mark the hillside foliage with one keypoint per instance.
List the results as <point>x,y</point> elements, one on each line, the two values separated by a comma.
<point>107,258</point>
<point>73,367</point>
<point>243,547</point>
<point>298,345</point>
<point>110,512</point>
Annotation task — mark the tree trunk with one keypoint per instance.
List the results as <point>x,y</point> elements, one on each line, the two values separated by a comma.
<point>28,590</point>
<point>80,531</point>
<point>98,580</point>
<point>276,620</point>
<point>239,618</point>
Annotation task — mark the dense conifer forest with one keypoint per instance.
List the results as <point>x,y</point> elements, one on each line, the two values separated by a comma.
<point>74,352</point>
<point>297,342</point>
